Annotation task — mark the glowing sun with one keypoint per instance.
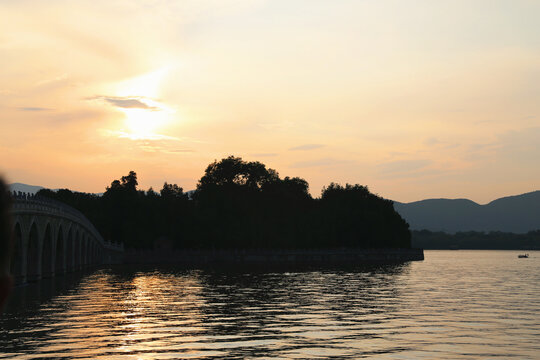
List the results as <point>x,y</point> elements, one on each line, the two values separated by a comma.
<point>146,117</point>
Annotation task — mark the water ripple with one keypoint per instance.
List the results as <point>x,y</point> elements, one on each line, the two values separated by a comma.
<point>453,305</point>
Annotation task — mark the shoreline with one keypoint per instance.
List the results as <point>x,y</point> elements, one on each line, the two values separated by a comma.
<point>350,256</point>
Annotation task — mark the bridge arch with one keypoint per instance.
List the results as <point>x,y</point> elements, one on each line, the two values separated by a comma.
<point>94,254</point>
<point>17,262</point>
<point>84,251</point>
<point>69,251</point>
<point>51,238</point>
<point>33,254</point>
<point>90,255</point>
<point>77,248</point>
<point>59,259</point>
<point>47,255</point>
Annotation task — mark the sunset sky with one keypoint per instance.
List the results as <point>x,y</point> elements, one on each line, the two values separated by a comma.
<point>416,99</point>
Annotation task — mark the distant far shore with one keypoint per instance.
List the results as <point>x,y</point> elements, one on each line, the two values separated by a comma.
<point>341,256</point>
<point>474,240</point>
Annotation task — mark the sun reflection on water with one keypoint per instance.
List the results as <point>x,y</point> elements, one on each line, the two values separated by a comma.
<point>461,307</point>
<point>160,310</point>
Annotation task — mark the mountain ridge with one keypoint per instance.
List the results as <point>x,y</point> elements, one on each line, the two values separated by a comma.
<point>25,188</point>
<point>516,214</point>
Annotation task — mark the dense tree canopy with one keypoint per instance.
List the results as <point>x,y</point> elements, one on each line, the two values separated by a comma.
<point>234,171</point>
<point>239,204</point>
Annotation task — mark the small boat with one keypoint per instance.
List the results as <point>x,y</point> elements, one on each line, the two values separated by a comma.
<point>523,256</point>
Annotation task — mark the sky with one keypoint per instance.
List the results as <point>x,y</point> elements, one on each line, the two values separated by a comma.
<point>415,99</point>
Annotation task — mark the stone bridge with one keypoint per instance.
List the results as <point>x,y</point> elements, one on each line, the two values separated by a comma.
<point>52,238</point>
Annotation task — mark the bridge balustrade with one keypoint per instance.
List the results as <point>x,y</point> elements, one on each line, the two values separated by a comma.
<point>52,238</point>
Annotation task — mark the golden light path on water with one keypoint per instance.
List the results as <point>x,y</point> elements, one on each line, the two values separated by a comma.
<point>453,305</point>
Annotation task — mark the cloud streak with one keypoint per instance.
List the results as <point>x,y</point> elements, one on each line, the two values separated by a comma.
<point>265,154</point>
<point>400,167</point>
<point>33,108</point>
<point>321,163</point>
<point>132,136</point>
<point>306,147</point>
<point>126,102</point>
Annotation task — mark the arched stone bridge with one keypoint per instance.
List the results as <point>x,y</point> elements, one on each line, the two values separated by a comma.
<point>52,238</point>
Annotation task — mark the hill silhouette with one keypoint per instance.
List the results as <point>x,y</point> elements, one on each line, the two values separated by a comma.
<point>515,214</point>
<point>25,188</point>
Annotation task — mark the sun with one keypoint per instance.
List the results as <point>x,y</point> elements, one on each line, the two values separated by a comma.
<point>145,123</point>
<point>140,121</point>
<point>146,120</point>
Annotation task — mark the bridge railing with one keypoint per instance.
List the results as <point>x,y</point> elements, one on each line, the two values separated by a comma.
<point>23,201</point>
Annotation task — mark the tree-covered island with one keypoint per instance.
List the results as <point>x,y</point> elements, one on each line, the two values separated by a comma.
<point>239,204</point>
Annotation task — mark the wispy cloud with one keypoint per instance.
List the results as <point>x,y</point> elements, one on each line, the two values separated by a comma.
<point>127,102</point>
<point>432,141</point>
<point>133,136</point>
<point>306,147</point>
<point>520,145</point>
<point>398,167</point>
<point>276,125</point>
<point>150,143</point>
<point>321,163</point>
<point>33,108</point>
<point>53,80</point>
<point>157,148</point>
<point>181,151</point>
<point>265,154</point>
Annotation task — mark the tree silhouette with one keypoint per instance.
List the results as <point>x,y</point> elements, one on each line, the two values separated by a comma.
<point>171,191</point>
<point>239,204</point>
<point>234,171</point>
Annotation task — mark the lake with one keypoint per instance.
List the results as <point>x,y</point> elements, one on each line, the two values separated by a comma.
<point>452,305</point>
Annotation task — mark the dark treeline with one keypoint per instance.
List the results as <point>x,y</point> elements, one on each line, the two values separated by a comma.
<point>239,204</point>
<point>495,240</point>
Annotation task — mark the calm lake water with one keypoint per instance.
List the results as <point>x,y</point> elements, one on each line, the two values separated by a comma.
<point>453,305</point>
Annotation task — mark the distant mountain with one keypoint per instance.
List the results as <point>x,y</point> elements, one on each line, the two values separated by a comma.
<point>31,189</point>
<point>516,214</point>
